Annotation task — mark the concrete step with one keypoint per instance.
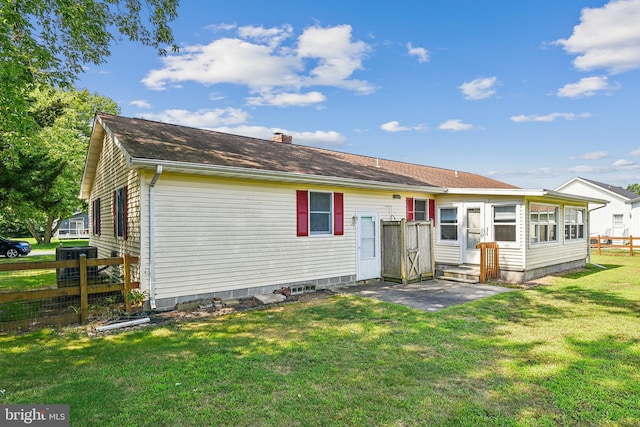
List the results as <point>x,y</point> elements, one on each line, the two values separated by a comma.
<point>461,273</point>
<point>459,279</point>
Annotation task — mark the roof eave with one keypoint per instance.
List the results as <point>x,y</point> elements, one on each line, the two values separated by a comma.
<point>277,176</point>
<point>91,160</point>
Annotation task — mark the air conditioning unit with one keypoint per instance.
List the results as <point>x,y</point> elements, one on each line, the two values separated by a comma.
<point>70,276</point>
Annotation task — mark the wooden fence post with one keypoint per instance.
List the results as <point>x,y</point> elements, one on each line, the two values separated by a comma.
<point>84,291</point>
<point>127,282</point>
<point>631,245</point>
<point>598,244</point>
<point>403,252</point>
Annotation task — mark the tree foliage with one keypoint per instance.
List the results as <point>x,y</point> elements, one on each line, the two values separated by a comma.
<point>634,187</point>
<point>44,187</point>
<point>46,43</point>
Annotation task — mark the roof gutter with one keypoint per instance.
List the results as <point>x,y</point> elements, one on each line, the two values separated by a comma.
<point>152,237</point>
<point>277,176</point>
<point>525,192</point>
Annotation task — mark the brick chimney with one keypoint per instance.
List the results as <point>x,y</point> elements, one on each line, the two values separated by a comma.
<point>280,137</point>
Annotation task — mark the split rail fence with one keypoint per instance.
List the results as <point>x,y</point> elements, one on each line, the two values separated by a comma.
<point>62,299</point>
<point>611,242</point>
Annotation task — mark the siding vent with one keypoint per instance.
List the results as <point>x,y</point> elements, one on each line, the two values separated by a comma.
<point>297,290</point>
<point>301,289</point>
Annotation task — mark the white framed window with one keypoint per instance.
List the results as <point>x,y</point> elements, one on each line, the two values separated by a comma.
<point>448,223</point>
<point>504,223</point>
<point>574,223</point>
<point>320,213</point>
<point>543,223</point>
<point>618,220</point>
<point>421,210</point>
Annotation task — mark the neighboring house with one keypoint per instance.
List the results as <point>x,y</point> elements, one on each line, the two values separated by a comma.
<point>75,227</point>
<point>617,218</point>
<point>213,214</point>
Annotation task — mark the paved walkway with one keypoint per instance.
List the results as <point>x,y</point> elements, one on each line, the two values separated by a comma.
<point>432,295</point>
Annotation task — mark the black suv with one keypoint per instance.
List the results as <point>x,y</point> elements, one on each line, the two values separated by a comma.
<point>14,248</point>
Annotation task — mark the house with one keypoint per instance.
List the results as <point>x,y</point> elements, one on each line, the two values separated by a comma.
<point>616,218</point>
<point>74,227</point>
<point>213,214</point>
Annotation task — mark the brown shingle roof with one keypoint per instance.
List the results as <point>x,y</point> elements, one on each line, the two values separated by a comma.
<point>144,139</point>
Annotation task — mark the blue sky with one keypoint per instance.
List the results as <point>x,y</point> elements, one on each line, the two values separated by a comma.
<point>532,93</point>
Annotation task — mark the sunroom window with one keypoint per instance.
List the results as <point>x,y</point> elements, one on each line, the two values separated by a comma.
<point>574,223</point>
<point>504,223</point>
<point>543,225</point>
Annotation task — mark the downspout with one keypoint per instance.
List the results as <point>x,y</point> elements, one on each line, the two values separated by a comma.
<point>152,237</point>
<point>589,238</point>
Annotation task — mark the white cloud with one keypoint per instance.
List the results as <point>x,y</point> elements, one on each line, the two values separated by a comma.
<point>421,53</point>
<point>140,103</point>
<point>287,99</point>
<point>259,60</point>
<point>625,164</point>
<point>201,118</point>
<point>337,55</point>
<point>272,36</point>
<point>479,88</point>
<point>635,152</point>
<point>549,117</point>
<point>455,125</point>
<point>587,86</point>
<point>221,27</point>
<point>394,126</point>
<point>226,61</point>
<point>588,169</point>
<point>595,155</point>
<point>607,37</point>
<point>315,138</point>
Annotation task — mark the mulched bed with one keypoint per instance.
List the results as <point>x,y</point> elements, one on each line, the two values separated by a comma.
<point>180,316</point>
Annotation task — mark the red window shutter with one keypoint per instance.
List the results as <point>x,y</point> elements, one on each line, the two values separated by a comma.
<point>115,213</point>
<point>302,202</point>
<point>410,209</point>
<point>432,210</point>
<point>338,214</point>
<point>125,212</point>
<point>96,217</point>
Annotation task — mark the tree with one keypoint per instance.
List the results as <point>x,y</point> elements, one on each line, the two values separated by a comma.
<point>634,187</point>
<point>46,43</point>
<point>44,188</point>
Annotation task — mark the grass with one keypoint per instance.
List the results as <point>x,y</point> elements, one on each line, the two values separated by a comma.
<point>561,354</point>
<point>34,279</point>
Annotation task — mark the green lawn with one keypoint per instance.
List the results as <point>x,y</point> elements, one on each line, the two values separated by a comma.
<point>561,354</point>
<point>34,279</point>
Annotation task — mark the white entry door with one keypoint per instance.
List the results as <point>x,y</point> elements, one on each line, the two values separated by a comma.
<point>473,232</point>
<point>367,245</point>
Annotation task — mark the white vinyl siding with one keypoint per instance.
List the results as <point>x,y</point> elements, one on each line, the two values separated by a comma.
<point>209,239</point>
<point>112,174</point>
